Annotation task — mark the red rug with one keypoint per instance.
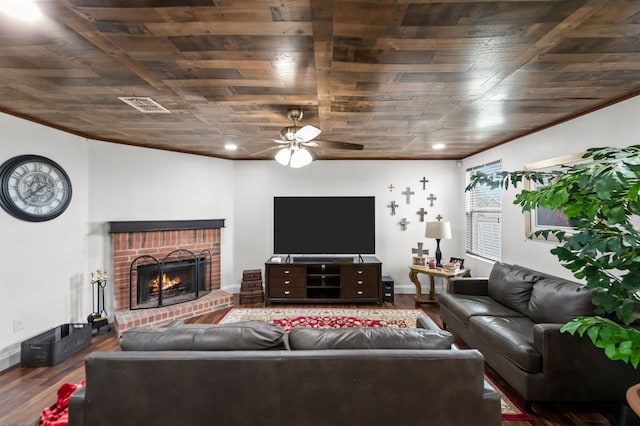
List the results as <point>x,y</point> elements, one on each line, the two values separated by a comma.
<point>509,409</point>
<point>328,317</point>
<point>336,322</point>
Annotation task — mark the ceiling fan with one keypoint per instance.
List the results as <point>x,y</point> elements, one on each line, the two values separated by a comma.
<point>297,138</point>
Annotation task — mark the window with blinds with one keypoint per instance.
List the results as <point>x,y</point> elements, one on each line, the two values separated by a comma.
<point>483,212</point>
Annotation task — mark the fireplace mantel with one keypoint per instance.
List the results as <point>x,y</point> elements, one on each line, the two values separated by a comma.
<point>163,225</point>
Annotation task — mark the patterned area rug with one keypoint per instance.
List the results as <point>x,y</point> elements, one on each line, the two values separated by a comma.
<point>329,317</point>
<point>337,318</point>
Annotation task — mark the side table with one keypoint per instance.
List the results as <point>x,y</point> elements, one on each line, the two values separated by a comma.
<point>432,273</point>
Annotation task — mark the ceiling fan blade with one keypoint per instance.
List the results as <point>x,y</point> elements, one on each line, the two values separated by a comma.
<point>341,145</point>
<point>308,132</point>
<point>280,141</point>
<point>273,148</point>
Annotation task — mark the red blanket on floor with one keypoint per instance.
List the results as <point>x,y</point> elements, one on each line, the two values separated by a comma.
<point>58,413</point>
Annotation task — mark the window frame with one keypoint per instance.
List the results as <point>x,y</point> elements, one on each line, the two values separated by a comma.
<point>491,238</point>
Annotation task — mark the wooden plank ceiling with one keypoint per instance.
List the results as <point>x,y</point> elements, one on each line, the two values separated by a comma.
<point>395,76</point>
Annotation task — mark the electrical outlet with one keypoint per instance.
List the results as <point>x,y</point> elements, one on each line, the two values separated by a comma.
<point>17,325</point>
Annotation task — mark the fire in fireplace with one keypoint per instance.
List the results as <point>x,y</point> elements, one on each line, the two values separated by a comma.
<point>170,284</point>
<point>179,277</point>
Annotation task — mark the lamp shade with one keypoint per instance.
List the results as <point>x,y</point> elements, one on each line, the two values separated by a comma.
<point>300,158</point>
<point>283,156</point>
<point>294,156</point>
<point>438,230</point>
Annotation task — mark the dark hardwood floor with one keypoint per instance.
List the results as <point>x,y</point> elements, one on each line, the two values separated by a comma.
<point>26,391</point>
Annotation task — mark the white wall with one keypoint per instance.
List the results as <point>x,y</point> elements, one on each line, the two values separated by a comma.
<point>44,265</point>
<point>257,183</point>
<point>617,126</point>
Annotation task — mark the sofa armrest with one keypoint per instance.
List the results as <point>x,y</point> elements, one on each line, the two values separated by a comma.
<point>472,286</point>
<point>571,363</point>
<point>425,323</point>
<point>543,333</point>
<point>76,407</point>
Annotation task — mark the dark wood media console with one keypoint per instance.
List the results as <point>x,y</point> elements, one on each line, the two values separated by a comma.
<point>324,280</point>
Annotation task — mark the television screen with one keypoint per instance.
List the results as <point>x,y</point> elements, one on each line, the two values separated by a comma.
<point>324,225</point>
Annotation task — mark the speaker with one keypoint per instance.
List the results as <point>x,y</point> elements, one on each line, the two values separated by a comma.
<point>387,289</point>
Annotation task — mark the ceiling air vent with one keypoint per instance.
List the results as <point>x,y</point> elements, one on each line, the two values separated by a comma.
<point>146,105</point>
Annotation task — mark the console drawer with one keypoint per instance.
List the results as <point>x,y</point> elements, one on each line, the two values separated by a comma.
<point>356,291</point>
<point>358,275</point>
<point>287,276</point>
<point>292,292</point>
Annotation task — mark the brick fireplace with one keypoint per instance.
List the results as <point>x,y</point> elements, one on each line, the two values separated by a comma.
<point>157,239</point>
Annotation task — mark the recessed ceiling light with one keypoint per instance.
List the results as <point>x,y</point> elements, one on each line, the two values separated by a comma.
<point>231,147</point>
<point>438,146</point>
<point>23,10</point>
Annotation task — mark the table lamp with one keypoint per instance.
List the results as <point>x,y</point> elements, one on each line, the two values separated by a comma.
<point>438,231</point>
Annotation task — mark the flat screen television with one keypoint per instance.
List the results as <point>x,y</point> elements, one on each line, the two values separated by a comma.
<point>324,225</point>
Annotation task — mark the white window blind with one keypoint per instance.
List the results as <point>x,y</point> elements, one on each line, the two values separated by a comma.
<point>483,214</point>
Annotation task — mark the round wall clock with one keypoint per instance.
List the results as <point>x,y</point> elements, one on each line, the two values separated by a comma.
<point>34,188</point>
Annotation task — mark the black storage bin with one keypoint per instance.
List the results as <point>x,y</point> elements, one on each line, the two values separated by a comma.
<point>387,289</point>
<point>55,345</point>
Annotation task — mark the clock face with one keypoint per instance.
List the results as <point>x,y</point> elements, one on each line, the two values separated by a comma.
<point>34,188</point>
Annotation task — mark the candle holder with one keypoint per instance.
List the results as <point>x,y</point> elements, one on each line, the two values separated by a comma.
<point>99,319</point>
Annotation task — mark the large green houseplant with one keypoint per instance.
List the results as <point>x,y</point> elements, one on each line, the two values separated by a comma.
<point>600,195</point>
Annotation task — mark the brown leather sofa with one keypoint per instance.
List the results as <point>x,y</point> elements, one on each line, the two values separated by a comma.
<point>514,318</point>
<point>242,376</point>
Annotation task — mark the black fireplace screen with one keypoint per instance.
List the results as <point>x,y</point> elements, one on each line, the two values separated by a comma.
<point>179,277</point>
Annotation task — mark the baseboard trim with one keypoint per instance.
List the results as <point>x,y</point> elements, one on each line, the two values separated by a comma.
<point>10,358</point>
<point>404,289</point>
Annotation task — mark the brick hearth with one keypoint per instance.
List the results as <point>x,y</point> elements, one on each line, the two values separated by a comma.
<point>159,238</point>
<point>213,301</point>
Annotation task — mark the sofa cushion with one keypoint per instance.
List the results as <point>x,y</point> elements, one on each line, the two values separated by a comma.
<point>511,285</point>
<point>248,335</point>
<point>512,337</point>
<point>465,307</point>
<point>306,338</point>
<point>554,300</point>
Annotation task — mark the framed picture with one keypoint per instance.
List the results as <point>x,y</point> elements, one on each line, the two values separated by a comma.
<point>419,261</point>
<point>457,260</point>
<point>543,218</point>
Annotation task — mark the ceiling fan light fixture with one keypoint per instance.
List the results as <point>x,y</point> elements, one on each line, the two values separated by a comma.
<point>300,158</point>
<point>297,138</point>
<point>283,156</point>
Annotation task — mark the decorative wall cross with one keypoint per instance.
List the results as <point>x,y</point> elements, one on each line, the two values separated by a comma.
<point>439,218</point>
<point>422,213</point>
<point>424,182</point>
<point>403,223</point>
<point>431,198</point>
<point>391,188</point>
<point>408,193</point>
<point>420,251</point>
<point>393,206</point>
